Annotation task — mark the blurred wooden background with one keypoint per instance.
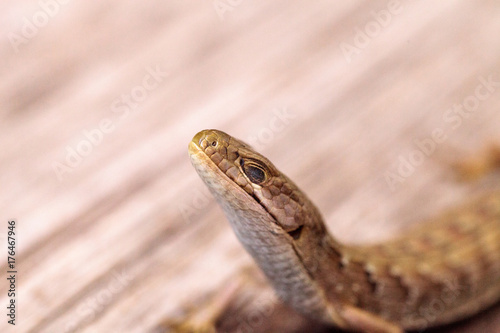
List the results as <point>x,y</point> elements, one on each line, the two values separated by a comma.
<point>100,99</point>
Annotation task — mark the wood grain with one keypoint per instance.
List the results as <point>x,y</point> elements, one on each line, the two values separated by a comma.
<point>127,235</point>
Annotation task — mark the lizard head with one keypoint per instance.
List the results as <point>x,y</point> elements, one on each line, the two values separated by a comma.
<point>254,174</point>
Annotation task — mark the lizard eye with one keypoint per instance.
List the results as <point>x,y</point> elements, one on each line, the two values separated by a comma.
<point>255,173</point>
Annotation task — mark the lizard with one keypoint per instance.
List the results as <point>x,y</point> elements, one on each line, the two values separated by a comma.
<point>439,272</point>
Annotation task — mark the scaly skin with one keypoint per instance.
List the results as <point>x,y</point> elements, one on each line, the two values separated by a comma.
<point>443,271</point>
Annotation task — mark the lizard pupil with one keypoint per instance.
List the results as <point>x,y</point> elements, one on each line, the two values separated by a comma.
<point>256,174</point>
